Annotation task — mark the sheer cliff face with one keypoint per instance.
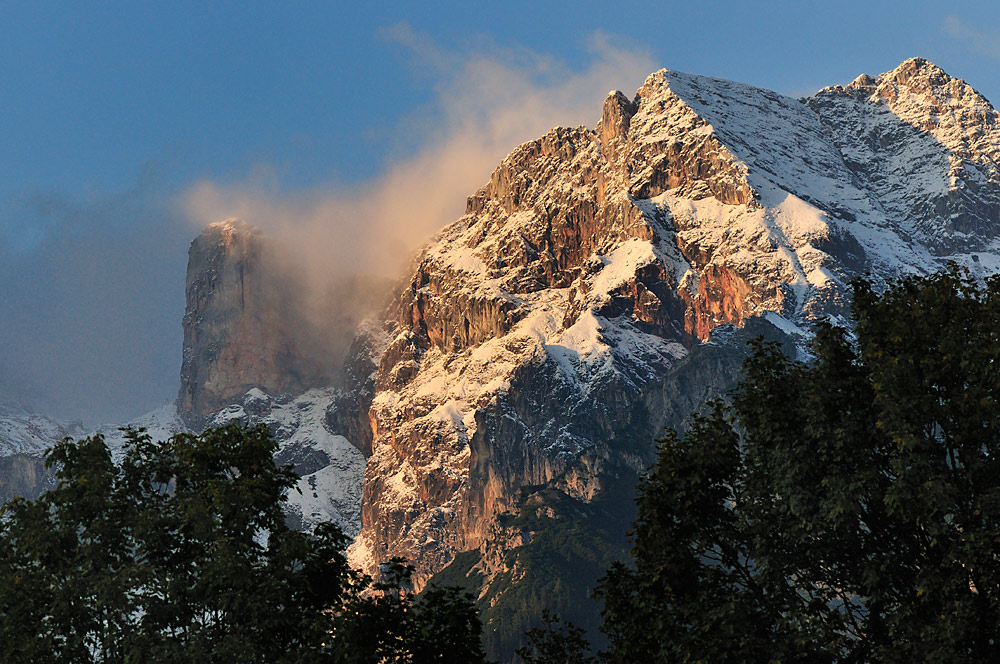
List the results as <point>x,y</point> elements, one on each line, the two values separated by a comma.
<point>243,325</point>
<point>540,337</point>
<point>599,286</point>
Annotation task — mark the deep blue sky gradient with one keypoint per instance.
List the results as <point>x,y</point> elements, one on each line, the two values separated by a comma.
<point>91,95</point>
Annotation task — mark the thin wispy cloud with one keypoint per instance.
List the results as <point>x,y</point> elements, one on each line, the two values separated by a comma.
<point>985,41</point>
<point>486,102</point>
<point>94,285</point>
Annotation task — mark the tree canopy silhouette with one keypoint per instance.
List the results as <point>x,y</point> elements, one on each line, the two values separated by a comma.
<point>843,508</point>
<point>180,553</point>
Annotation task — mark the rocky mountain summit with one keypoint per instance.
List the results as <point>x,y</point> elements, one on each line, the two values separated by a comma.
<point>604,281</point>
<point>242,326</point>
<point>537,332</point>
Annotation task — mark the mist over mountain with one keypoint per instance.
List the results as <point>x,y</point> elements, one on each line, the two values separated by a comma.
<point>93,282</point>
<point>91,303</point>
<point>485,416</point>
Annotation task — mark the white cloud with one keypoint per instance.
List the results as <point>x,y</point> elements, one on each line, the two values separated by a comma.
<point>982,41</point>
<point>486,103</point>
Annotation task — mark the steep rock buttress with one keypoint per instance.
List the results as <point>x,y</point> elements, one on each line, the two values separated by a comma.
<point>542,336</point>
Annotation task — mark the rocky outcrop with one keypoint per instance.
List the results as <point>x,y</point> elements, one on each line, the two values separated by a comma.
<point>671,147</point>
<point>243,325</point>
<point>23,475</point>
<point>596,288</point>
<point>347,414</point>
<point>600,286</point>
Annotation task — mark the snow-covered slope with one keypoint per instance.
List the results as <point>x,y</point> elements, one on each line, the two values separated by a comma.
<point>599,286</point>
<point>160,424</point>
<point>925,146</point>
<point>24,437</point>
<point>24,432</point>
<point>330,466</point>
<point>536,331</point>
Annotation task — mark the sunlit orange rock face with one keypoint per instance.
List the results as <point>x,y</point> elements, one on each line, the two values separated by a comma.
<point>548,334</point>
<point>242,326</point>
<point>601,284</point>
<point>721,299</point>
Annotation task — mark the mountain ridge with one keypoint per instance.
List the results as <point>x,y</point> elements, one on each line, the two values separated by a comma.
<point>596,260</point>
<point>600,285</point>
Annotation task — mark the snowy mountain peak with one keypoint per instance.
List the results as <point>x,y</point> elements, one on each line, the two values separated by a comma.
<point>594,263</point>
<point>924,95</point>
<point>924,146</point>
<point>599,286</point>
<point>916,72</point>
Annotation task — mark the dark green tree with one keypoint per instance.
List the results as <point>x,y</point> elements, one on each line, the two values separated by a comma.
<point>844,509</point>
<point>556,642</point>
<point>65,565</point>
<point>387,622</point>
<point>445,628</point>
<point>180,553</point>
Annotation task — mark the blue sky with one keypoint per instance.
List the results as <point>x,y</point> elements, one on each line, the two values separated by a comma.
<point>123,126</point>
